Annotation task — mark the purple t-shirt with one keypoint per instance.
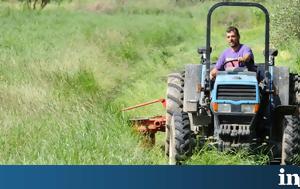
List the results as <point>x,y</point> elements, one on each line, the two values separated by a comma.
<point>230,54</point>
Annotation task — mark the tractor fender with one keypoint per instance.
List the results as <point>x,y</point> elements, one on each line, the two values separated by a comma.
<point>281,82</point>
<point>192,83</point>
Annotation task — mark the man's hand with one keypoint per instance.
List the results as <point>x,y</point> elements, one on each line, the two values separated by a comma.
<point>213,74</point>
<point>244,59</point>
<point>241,59</point>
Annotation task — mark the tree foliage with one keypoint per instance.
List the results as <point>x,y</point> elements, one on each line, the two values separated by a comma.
<point>286,21</point>
<point>38,4</point>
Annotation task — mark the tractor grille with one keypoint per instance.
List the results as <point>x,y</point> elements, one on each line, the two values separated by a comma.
<point>236,92</point>
<point>235,119</point>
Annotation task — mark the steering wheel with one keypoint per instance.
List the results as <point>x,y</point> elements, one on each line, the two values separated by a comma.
<point>231,64</point>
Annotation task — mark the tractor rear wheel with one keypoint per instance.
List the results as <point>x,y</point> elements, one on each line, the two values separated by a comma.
<point>174,102</point>
<point>290,140</point>
<point>291,126</point>
<point>294,89</point>
<point>181,138</point>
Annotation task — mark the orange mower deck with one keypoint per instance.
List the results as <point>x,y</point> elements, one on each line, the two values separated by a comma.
<point>149,126</point>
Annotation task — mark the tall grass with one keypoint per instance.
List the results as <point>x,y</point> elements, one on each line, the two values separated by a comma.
<point>67,71</point>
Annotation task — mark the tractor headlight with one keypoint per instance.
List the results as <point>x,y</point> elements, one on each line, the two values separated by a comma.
<point>249,108</point>
<point>224,107</point>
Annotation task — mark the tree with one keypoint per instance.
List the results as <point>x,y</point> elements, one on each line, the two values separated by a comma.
<point>286,21</point>
<point>32,4</point>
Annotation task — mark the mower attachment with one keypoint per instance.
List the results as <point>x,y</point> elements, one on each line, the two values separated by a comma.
<point>149,126</point>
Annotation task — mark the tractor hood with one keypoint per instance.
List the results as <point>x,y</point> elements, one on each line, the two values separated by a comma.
<point>236,88</point>
<point>236,78</point>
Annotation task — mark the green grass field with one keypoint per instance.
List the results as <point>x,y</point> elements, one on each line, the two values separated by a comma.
<point>67,71</point>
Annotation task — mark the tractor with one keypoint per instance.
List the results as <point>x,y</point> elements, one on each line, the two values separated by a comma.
<point>240,109</point>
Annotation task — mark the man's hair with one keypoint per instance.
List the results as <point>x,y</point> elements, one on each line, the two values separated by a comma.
<point>234,29</point>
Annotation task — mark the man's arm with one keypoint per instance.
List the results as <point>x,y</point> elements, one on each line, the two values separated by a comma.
<point>219,66</point>
<point>247,55</point>
<point>213,73</point>
<point>245,58</point>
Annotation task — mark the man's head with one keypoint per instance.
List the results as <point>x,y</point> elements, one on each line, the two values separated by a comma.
<point>233,36</point>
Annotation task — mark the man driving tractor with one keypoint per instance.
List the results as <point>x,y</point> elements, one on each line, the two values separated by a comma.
<point>238,55</point>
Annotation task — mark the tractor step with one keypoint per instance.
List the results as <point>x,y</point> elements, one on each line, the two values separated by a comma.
<point>275,161</point>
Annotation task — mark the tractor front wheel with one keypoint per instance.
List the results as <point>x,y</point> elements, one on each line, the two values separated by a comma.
<point>181,138</point>
<point>174,102</point>
<point>290,140</point>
